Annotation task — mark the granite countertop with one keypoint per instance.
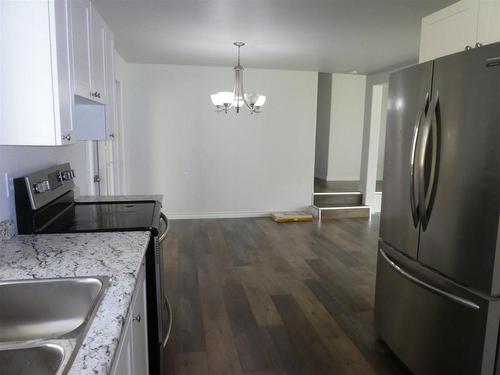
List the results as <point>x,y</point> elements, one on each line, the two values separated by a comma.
<point>116,254</point>
<point>118,198</point>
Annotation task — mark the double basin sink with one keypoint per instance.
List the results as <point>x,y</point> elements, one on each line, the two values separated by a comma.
<point>43,322</point>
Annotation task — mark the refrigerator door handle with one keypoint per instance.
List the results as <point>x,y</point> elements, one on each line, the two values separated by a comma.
<point>413,175</point>
<point>426,191</point>
<point>402,272</point>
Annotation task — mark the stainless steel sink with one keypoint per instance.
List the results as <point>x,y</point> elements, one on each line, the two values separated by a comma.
<point>43,322</point>
<point>45,359</point>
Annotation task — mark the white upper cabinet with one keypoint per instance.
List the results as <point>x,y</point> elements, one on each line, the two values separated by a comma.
<point>109,74</point>
<point>35,85</point>
<point>449,30</point>
<point>465,24</point>
<point>87,35</point>
<point>489,22</point>
<point>80,39</point>
<point>98,35</point>
<point>56,73</point>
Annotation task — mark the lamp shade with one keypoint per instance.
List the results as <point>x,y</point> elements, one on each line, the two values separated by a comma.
<point>255,100</point>
<point>226,97</point>
<point>260,101</point>
<point>216,99</point>
<point>222,98</point>
<point>251,99</point>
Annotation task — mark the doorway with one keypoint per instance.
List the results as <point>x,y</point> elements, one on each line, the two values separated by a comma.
<point>106,168</point>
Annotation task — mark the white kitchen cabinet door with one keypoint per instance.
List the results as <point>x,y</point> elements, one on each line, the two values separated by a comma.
<point>81,47</point>
<point>132,352</point>
<point>489,22</point>
<point>98,32</point>
<point>35,84</point>
<point>123,361</point>
<point>449,30</point>
<point>109,73</point>
<point>139,332</point>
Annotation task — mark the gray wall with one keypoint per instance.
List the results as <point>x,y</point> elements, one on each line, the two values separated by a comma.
<point>381,140</point>
<point>323,125</point>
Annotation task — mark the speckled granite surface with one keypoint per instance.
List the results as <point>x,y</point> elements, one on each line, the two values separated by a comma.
<point>117,254</point>
<point>114,198</point>
<point>7,230</point>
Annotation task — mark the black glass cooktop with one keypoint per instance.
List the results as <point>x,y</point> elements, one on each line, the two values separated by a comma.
<point>106,217</point>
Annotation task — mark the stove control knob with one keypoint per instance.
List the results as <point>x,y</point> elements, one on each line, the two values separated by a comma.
<point>42,186</point>
<point>68,175</point>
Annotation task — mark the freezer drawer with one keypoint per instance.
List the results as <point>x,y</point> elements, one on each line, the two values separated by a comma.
<point>434,328</point>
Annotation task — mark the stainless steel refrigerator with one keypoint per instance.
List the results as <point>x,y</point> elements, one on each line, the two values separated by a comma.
<point>437,302</point>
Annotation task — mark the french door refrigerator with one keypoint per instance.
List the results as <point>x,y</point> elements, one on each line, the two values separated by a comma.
<point>437,301</point>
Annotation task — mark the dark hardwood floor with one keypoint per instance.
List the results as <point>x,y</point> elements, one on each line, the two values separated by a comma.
<point>251,296</point>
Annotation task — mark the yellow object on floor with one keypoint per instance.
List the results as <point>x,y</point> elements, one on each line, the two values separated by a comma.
<point>291,217</point>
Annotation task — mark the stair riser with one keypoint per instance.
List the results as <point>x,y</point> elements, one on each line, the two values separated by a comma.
<point>338,199</point>
<point>345,213</point>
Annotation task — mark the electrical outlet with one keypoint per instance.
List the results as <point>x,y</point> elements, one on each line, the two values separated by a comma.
<point>9,185</point>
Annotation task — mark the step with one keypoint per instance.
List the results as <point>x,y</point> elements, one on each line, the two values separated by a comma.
<point>343,212</point>
<point>335,199</point>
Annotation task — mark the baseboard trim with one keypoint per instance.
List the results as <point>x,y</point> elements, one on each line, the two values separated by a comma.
<point>217,215</point>
<point>339,193</point>
<point>230,214</point>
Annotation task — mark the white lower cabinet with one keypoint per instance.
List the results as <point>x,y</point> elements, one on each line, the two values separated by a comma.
<point>131,357</point>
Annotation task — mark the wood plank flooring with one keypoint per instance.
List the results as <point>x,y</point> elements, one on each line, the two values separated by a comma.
<point>251,296</point>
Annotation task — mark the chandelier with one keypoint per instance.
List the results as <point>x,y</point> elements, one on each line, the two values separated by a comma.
<point>226,100</point>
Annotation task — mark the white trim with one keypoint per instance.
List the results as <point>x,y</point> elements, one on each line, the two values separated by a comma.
<point>340,193</point>
<point>229,215</point>
<point>342,208</point>
<point>218,215</point>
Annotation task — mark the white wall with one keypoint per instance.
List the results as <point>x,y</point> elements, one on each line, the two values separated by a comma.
<point>216,165</point>
<point>372,162</point>
<point>323,125</point>
<point>346,129</point>
<point>18,161</point>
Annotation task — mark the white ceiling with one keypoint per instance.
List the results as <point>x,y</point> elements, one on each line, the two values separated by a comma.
<point>328,36</point>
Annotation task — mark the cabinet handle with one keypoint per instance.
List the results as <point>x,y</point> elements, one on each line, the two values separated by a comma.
<point>468,48</point>
<point>112,136</point>
<point>479,45</point>
<point>137,318</point>
<point>66,137</point>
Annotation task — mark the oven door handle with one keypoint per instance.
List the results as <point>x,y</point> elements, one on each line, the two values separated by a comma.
<point>166,303</point>
<point>165,232</point>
